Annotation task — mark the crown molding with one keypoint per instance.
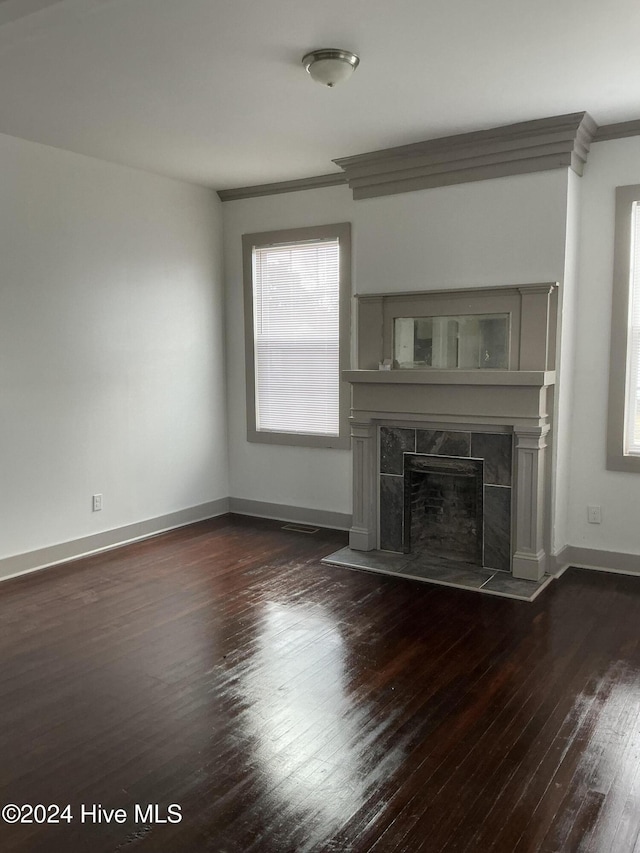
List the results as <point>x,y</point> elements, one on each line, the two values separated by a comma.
<point>515,149</point>
<point>283,187</point>
<point>531,146</point>
<point>620,130</point>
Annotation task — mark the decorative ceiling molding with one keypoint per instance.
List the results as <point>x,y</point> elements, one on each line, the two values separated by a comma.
<point>532,146</point>
<point>283,187</point>
<point>515,149</point>
<point>617,131</point>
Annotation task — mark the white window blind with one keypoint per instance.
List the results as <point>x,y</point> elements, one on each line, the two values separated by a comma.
<point>296,297</point>
<point>632,406</point>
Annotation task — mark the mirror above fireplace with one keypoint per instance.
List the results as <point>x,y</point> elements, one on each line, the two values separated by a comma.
<point>462,342</point>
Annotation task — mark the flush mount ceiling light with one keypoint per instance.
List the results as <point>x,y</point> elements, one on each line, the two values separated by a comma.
<point>329,65</point>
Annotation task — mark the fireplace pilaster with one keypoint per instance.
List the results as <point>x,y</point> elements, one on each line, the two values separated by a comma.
<point>364,531</point>
<point>530,559</point>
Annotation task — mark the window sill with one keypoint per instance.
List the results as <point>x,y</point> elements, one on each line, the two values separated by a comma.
<point>619,462</point>
<point>294,439</point>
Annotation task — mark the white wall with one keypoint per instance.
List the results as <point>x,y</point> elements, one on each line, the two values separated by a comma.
<point>562,439</point>
<point>611,164</point>
<point>503,231</point>
<point>111,346</point>
<point>498,232</point>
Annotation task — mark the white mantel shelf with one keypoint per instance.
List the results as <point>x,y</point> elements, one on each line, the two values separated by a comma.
<point>535,378</point>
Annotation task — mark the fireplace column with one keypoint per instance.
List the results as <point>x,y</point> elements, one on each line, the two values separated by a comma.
<point>530,559</point>
<point>363,535</point>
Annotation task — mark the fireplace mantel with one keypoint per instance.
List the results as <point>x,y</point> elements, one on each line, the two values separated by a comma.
<point>518,400</point>
<point>506,397</point>
<point>513,397</point>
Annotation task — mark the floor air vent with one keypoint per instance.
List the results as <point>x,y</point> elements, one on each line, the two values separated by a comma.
<point>300,528</point>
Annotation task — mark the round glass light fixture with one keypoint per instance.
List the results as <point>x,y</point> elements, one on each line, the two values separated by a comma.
<point>329,65</point>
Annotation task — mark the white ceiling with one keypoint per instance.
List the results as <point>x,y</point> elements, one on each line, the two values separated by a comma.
<point>212,91</point>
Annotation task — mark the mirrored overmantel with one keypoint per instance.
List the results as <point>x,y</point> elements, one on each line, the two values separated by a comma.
<point>517,399</point>
<point>461,342</point>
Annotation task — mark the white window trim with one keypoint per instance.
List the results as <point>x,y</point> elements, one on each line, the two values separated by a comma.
<point>617,458</point>
<point>341,231</point>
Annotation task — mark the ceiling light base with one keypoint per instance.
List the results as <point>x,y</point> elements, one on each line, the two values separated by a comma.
<point>330,66</point>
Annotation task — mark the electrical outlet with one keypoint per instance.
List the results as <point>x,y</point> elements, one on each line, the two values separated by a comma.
<point>594,514</point>
<point>97,503</point>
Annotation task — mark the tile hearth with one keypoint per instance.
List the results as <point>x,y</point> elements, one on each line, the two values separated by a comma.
<point>441,571</point>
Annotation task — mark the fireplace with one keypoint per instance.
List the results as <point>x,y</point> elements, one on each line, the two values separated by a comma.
<point>450,405</point>
<point>443,507</point>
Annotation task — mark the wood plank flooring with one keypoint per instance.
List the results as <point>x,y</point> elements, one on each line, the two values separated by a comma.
<point>289,706</point>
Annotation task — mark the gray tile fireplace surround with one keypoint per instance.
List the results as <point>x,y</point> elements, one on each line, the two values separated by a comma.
<point>495,452</point>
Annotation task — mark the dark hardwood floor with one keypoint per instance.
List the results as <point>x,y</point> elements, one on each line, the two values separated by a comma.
<point>289,706</point>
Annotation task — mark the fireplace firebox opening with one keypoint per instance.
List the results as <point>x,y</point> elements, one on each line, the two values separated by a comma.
<point>443,508</point>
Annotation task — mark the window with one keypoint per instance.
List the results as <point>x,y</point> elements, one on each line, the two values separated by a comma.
<point>297,300</point>
<point>623,437</point>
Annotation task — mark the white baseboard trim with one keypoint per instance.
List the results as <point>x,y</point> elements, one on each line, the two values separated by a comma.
<point>43,558</point>
<point>599,561</point>
<point>557,564</point>
<point>282,512</point>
